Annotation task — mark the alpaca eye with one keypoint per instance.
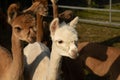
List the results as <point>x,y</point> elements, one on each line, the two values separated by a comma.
<point>18,29</point>
<point>60,41</point>
<point>31,27</point>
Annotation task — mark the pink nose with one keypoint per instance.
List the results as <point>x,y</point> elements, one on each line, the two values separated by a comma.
<point>74,53</point>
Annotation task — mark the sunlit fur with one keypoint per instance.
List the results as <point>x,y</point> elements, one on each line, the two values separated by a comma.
<point>23,29</point>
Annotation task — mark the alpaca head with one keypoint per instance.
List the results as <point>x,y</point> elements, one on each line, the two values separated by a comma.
<point>40,7</point>
<point>24,28</point>
<point>64,37</point>
<point>23,24</point>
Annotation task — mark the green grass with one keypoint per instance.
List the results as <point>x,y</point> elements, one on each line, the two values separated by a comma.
<point>94,15</point>
<point>114,6</point>
<point>100,15</point>
<point>97,33</point>
<point>106,35</point>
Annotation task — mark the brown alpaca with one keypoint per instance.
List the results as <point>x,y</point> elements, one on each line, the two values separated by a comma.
<point>40,23</point>
<point>55,8</point>
<point>23,29</point>
<point>35,68</point>
<point>67,15</point>
<point>42,6</point>
<point>101,60</point>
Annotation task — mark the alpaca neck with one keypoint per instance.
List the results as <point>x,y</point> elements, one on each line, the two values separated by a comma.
<point>54,66</point>
<point>55,10</point>
<point>39,28</point>
<point>16,67</point>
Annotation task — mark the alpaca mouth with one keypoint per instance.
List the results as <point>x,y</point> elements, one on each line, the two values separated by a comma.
<point>73,54</point>
<point>32,40</point>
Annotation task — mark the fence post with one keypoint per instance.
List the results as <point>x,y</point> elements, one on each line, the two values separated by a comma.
<point>110,11</point>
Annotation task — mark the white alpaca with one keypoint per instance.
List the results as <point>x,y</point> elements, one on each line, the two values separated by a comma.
<point>64,43</point>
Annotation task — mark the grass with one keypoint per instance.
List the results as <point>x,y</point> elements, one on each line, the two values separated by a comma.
<point>94,15</point>
<point>101,34</point>
<point>96,33</point>
<point>100,15</point>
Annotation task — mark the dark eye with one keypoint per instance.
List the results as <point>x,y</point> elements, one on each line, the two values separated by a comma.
<point>31,27</point>
<point>60,41</point>
<point>18,29</point>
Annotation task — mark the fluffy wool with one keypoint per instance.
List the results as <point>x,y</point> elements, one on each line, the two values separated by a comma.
<point>37,59</point>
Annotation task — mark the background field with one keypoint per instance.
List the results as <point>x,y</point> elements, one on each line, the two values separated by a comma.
<point>95,33</point>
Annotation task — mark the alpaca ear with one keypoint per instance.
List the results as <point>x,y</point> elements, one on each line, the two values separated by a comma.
<point>12,12</point>
<point>74,22</point>
<point>54,26</point>
<point>35,7</point>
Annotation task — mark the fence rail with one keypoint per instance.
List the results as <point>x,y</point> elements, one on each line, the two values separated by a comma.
<point>84,8</point>
<point>110,10</point>
<point>109,22</point>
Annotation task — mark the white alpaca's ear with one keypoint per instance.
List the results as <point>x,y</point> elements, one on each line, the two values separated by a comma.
<point>54,26</point>
<point>74,22</point>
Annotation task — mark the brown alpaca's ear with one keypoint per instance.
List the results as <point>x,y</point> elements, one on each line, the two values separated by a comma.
<point>12,12</point>
<point>54,26</point>
<point>33,8</point>
<point>36,7</point>
<point>74,22</point>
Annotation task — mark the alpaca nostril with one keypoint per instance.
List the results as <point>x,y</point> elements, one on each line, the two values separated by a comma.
<point>34,38</point>
<point>74,51</point>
